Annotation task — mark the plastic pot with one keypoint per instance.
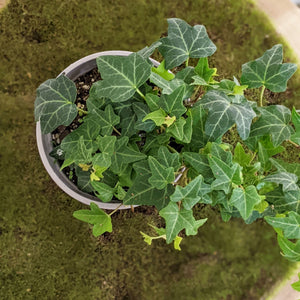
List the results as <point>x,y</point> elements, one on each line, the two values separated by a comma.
<point>45,145</point>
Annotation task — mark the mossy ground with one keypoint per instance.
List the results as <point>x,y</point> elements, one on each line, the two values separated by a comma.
<point>47,254</point>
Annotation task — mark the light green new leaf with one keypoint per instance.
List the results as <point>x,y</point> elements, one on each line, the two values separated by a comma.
<point>121,76</point>
<point>97,217</point>
<point>161,176</point>
<point>178,219</point>
<point>54,103</point>
<point>296,285</point>
<point>290,225</point>
<point>288,180</point>
<point>245,200</point>
<point>204,71</point>
<point>190,194</point>
<point>240,156</point>
<point>107,119</point>
<point>173,103</point>
<point>223,114</point>
<point>157,116</point>
<point>273,120</point>
<point>124,155</point>
<point>184,41</point>
<point>291,251</point>
<point>161,71</point>
<point>107,147</point>
<point>103,191</point>
<point>268,71</point>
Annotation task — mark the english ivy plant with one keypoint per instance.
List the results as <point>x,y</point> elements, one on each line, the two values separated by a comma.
<point>154,137</point>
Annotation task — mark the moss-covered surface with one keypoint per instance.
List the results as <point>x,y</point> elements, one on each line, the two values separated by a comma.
<point>47,254</point>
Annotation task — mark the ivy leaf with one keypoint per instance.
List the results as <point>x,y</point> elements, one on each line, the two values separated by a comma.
<point>95,100</point>
<point>167,86</point>
<point>240,156</point>
<point>204,71</point>
<point>296,121</point>
<point>268,71</point>
<point>124,155</point>
<point>186,74</point>
<point>152,101</point>
<point>291,251</point>
<point>177,129</point>
<point>245,200</point>
<point>223,114</point>
<point>107,147</point>
<point>184,41</point>
<point>190,194</point>
<point>282,165</point>
<point>157,116</point>
<point>288,180</point>
<point>121,76</point>
<point>199,162</point>
<point>296,285</point>
<point>168,159</point>
<point>173,103</point>
<point>284,202</point>
<point>97,217</point>
<point>83,180</point>
<point>161,71</point>
<point>147,51</point>
<point>176,220</point>
<point>141,110</point>
<point>143,193</point>
<point>290,225</point>
<point>107,119</point>
<point>103,191</point>
<point>161,176</point>
<point>273,120</point>
<point>54,103</point>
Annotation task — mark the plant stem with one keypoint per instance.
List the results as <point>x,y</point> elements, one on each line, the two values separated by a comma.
<point>261,96</point>
<point>117,131</point>
<point>293,143</point>
<point>82,111</point>
<point>141,94</point>
<point>115,209</point>
<point>187,62</point>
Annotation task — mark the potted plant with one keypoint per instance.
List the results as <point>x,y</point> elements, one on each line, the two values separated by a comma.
<point>141,134</point>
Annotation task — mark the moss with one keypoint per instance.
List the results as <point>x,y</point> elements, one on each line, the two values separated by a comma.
<point>45,252</point>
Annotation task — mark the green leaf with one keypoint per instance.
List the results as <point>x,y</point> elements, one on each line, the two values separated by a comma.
<point>83,180</point>
<point>173,103</point>
<point>103,191</point>
<point>141,110</point>
<point>124,155</point>
<point>107,147</point>
<point>184,41</point>
<point>273,120</point>
<point>167,86</point>
<point>245,200</point>
<point>291,251</point>
<point>290,225</point>
<point>107,119</point>
<point>288,180</point>
<point>95,216</point>
<point>143,193</point>
<point>186,75</point>
<point>121,76</point>
<point>95,100</point>
<point>152,101</point>
<point>199,162</point>
<point>54,103</point>
<point>204,71</point>
<point>240,156</point>
<point>147,51</point>
<point>161,176</point>
<point>223,114</point>
<point>190,194</point>
<point>177,129</point>
<point>161,71</point>
<point>296,121</point>
<point>176,220</point>
<point>284,166</point>
<point>158,117</point>
<point>168,159</point>
<point>296,285</point>
<point>268,71</point>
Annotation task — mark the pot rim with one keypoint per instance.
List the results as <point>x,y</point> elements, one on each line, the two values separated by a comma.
<point>44,141</point>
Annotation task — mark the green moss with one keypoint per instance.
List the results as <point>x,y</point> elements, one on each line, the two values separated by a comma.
<point>45,252</point>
